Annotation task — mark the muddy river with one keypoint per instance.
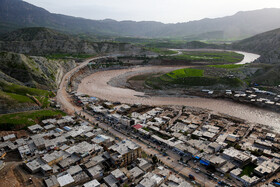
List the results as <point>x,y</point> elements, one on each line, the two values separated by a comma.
<point>97,85</point>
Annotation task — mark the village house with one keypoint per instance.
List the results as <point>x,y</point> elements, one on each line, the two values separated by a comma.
<point>125,152</point>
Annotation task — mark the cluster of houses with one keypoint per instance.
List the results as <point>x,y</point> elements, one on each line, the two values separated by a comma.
<point>229,145</point>
<point>72,152</point>
<point>252,95</point>
<point>257,96</point>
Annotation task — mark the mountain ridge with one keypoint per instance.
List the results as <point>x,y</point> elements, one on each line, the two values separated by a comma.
<point>15,14</point>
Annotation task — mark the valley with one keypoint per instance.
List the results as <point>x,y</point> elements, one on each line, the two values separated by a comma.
<point>105,103</point>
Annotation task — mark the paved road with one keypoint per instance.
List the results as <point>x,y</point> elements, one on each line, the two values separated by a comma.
<point>64,99</point>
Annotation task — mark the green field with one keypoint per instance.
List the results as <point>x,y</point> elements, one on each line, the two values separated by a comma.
<point>181,73</point>
<point>190,77</point>
<point>211,56</point>
<point>162,51</point>
<point>187,72</point>
<point>22,120</point>
<point>227,66</point>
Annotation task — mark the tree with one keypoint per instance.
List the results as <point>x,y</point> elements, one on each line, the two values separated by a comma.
<point>155,159</point>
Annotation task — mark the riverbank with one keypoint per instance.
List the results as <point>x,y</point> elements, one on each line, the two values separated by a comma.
<point>97,85</point>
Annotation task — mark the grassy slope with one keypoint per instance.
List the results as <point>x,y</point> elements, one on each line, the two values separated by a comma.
<point>267,75</point>
<point>24,119</point>
<point>16,95</point>
<point>22,90</point>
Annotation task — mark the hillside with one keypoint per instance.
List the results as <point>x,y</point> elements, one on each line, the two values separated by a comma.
<point>37,72</point>
<point>43,41</point>
<point>267,74</point>
<point>24,81</point>
<point>266,44</point>
<point>16,14</point>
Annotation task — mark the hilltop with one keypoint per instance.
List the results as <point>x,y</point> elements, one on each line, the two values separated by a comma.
<point>45,41</point>
<point>16,14</point>
<point>34,33</point>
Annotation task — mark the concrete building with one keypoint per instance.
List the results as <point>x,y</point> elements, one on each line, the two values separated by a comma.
<point>136,173</point>
<point>125,152</point>
<point>51,182</point>
<point>34,166</point>
<point>144,164</point>
<point>151,180</point>
<point>249,181</point>
<point>65,180</point>
<point>119,175</point>
<point>96,172</point>
<point>267,168</point>
<point>35,128</point>
<point>236,173</point>
<point>93,183</point>
<point>10,137</point>
<point>54,157</point>
<point>238,157</point>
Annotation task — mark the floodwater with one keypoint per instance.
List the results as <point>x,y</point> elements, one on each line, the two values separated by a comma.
<point>97,85</point>
<point>248,57</point>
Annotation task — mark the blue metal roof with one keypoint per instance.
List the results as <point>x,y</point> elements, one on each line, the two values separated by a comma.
<point>204,163</point>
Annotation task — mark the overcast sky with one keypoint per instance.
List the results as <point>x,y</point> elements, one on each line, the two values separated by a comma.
<point>167,11</point>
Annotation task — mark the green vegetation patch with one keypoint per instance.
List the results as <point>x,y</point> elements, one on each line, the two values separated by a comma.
<point>162,51</point>
<point>15,97</point>
<point>248,169</point>
<point>146,129</point>
<point>44,101</point>
<point>181,73</point>
<point>190,77</point>
<point>227,66</point>
<point>211,56</point>
<point>22,120</point>
<point>23,90</point>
